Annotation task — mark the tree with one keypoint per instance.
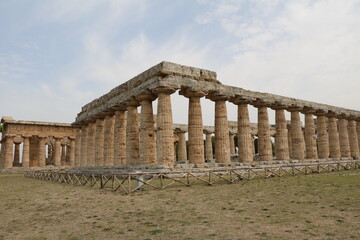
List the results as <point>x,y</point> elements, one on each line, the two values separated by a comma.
<point>1,128</point>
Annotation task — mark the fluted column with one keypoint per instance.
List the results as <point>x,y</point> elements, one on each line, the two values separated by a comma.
<point>57,152</point>
<point>16,162</point>
<point>26,152</point>
<point>323,137</point>
<point>165,135</point>
<point>246,149</point>
<point>334,142</point>
<point>120,138</point>
<point>91,144</point>
<point>132,134</point>
<point>78,148</point>
<point>344,138</point>
<point>291,155</point>
<point>109,141</point>
<point>209,155</point>
<point>42,151</point>
<point>9,154</point>
<point>182,155</point>
<point>72,152</point>
<point>264,140</point>
<point>297,136</point>
<point>232,143</point>
<point>99,142</point>
<point>353,139</point>
<point>195,126</point>
<point>310,137</point>
<point>63,155</point>
<point>281,135</point>
<point>147,148</point>
<point>84,142</point>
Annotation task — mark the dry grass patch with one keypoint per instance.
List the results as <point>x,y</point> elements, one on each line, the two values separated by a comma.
<point>324,206</point>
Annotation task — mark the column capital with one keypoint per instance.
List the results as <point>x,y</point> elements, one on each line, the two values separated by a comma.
<point>206,131</point>
<point>294,109</point>
<point>279,106</point>
<point>261,103</point>
<point>308,110</point>
<point>237,100</point>
<point>132,102</point>
<point>166,90</point>
<point>217,96</point>
<point>147,95</point>
<point>118,107</point>
<point>188,93</point>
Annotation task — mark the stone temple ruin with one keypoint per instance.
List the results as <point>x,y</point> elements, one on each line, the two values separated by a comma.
<point>109,132</point>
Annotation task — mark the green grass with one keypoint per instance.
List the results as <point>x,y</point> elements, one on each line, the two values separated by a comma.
<point>319,206</point>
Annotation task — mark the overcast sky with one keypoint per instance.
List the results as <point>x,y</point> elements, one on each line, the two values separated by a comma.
<point>58,55</point>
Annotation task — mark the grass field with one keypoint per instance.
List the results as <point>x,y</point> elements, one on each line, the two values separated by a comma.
<point>323,206</point>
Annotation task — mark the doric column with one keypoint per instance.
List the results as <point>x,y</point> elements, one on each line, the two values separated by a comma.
<point>281,135</point>
<point>291,155</point>
<point>334,142</point>
<point>17,155</point>
<point>344,138</point>
<point>310,136</point>
<point>63,155</point>
<point>109,140</point>
<point>57,152</point>
<point>297,136</point>
<point>222,144</point>
<point>165,135</point>
<point>99,142</point>
<point>323,136</point>
<point>78,148</point>
<point>84,142</point>
<point>195,126</point>
<point>9,154</point>
<point>132,134</point>
<point>353,139</point>
<point>120,138</point>
<point>91,144</point>
<point>42,151</point>
<point>182,156</point>
<point>264,140</point>
<point>72,152</point>
<point>26,152</point>
<point>232,143</point>
<point>147,148</point>
<point>208,146</point>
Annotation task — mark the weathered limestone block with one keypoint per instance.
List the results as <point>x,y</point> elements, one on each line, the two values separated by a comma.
<point>120,138</point>
<point>109,141</point>
<point>42,151</point>
<point>182,155</point>
<point>91,144</point>
<point>232,143</point>
<point>16,162</point>
<point>84,142</point>
<point>310,137</point>
<point>57,152</point>
<point>9,154</point>
<point>297,136</point>
<point>165,135</point>
<point>147,148</point>
<point>78,148</point>
<point>281,136</point>
<point>323,137</point>
<point>99,142</point>
<point>353,140</point>
<point>132,134</point>
<point>26,152</point>
<point>195,126</point>
<point>264,140</point>
<point>344,138</point>
<point>334,142</point>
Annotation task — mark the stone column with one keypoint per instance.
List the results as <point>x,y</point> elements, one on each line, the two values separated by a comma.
<point>91,144</point>
<point>195,126</point>
<point>147,148</point>
<point>17,155</point>
<point>120,138</point>
<point>353,139</point>
<point>132,134</point>
<point>281,135</point>
<point>334,142</point>
<point>78,148</point>
<point>310,137</point>
<point>57,152</point>
<point>297,136</point>
<point>344,138</point>
<point>26,152</point>
<point>99,142</point>
<point>84,142</point>
<point>182,155</point>
<point>323,137</point>
<point>72,152</point>
<point>246,149</point>
<point>291,155</point>
<point>109,141</point>
<point>42,151</point>
<point>232,143</point>
<point>63,155</point>
<point>208,146</point>
<point>9,151</point>
<point>264,140</point>
<point>165,135</point>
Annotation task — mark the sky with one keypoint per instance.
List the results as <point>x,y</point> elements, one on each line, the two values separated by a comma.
<point>58,55</point>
